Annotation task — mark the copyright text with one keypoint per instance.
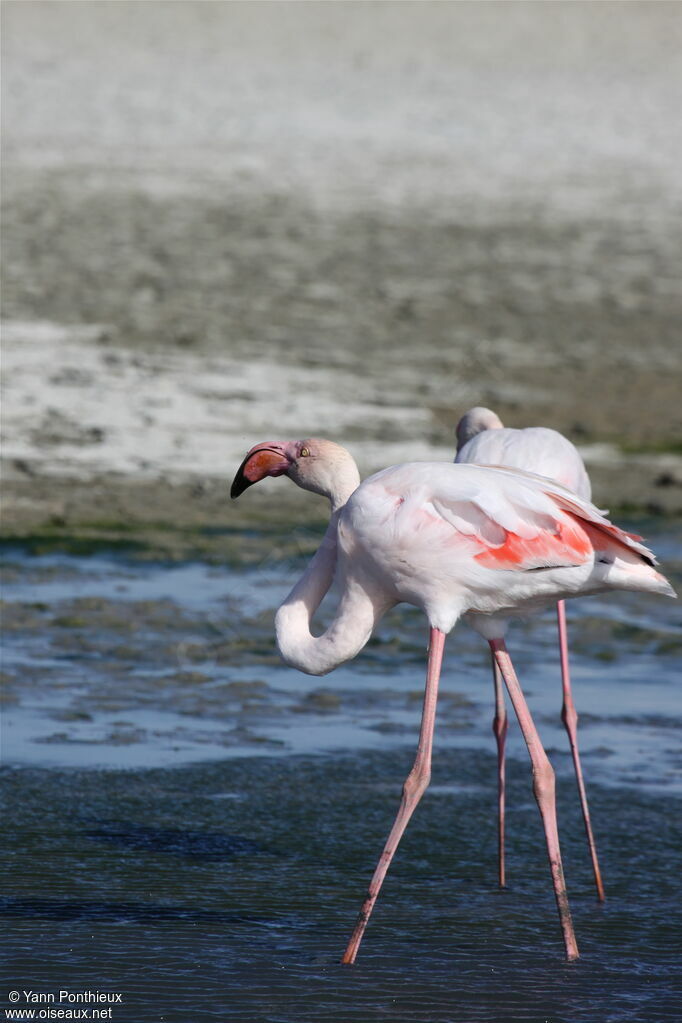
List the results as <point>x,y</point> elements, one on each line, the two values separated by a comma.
<point>28,1004</point>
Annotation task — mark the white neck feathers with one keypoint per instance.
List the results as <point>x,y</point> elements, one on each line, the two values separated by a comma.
<point>348,632</point>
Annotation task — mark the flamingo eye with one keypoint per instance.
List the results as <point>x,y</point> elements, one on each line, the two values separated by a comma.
<point>305,452</point>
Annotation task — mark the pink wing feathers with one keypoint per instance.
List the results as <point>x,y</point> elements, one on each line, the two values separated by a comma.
<point>514,519</point>
<point>548,525</point>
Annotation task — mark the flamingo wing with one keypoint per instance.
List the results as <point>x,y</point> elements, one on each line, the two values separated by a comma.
<point>520,526</point>
<point>507,518</point>
<point>553,527</point>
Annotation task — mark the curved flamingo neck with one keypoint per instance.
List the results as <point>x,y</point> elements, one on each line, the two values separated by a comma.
<point>344,482</point>
<point>351,627</point>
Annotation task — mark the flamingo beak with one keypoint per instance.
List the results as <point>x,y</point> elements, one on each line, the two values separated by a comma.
<point>261,461</point>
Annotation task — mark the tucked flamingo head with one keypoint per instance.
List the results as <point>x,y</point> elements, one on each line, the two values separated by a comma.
<point>475,421</point>
<point>313,464</point>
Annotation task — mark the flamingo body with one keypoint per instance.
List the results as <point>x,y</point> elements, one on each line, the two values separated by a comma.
<point>453,540</point>
<point>489,542</point>
<point>482,440</point>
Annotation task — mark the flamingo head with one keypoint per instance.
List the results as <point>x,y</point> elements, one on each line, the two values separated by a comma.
<point>313,464</point>
<point>475,421</point>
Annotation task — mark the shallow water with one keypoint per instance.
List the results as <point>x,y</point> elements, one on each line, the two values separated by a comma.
<point>112,663</point>
<point>193,824</point>
<point>227,891</point>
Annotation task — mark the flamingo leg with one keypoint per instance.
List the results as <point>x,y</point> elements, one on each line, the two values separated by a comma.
<point>413,789</point>
<point>500,725</point>
<point>543,788</point>
<point>569,716</point>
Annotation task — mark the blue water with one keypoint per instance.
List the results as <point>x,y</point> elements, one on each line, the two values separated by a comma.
<point>192,825</point>
<point>130,638</point>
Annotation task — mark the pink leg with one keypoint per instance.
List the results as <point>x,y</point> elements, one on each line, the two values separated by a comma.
<point>413,789</point>
<point>543,787</point>
<point>500,725</point>
<point>569,716</point>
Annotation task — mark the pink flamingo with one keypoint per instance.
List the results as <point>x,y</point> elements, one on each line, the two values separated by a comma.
<point>454,540</point>
<point>482,440</point>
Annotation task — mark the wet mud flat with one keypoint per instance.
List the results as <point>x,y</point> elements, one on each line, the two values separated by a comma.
<point>353,221</point>
<point>379,329</point>
<point>122,661</point>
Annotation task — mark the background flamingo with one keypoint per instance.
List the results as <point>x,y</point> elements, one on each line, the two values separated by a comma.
<point>482,440</point>
<point>453,540</point>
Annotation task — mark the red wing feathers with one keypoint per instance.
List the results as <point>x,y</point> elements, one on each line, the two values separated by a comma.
<point>568,545</point>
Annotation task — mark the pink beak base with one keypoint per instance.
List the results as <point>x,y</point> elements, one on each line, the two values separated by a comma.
<point>261,461</point>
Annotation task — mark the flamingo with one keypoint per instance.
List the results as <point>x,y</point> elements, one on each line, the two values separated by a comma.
<point>482,440</point>
<point>456,541</point>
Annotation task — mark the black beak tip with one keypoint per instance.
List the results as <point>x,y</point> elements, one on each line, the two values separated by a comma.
<point>239,484</point>
<point>240,481</point>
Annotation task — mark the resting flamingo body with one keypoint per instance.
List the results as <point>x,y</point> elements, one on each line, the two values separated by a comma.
<point>453,540</point>
<point>482,440</point>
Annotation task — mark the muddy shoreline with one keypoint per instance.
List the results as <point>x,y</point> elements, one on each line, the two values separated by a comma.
<point>353,221</point>
<point>196,519</point>
<point>137,373</point>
